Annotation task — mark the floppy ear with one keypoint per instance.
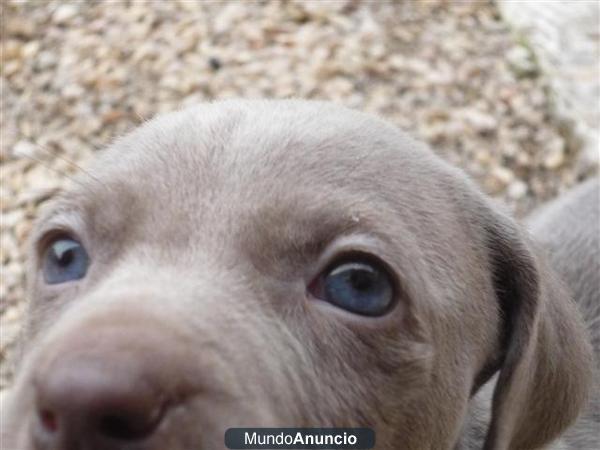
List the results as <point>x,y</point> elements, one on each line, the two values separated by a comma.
<point>546,366</point>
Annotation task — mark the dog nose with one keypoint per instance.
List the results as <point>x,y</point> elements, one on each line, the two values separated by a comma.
<point>91,400</point>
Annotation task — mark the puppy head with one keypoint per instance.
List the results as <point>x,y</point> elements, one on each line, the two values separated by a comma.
<point>285,263</point>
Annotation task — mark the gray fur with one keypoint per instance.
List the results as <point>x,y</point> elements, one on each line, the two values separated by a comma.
<point>204,228</point>
<point>568,228</point>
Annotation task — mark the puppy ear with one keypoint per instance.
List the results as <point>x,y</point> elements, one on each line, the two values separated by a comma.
<point>546,366</point>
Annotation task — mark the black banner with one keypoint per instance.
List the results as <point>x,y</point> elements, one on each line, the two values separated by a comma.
<point>300,438</point>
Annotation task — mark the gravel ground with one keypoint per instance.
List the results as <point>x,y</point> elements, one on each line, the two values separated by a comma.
<point>75,75</point>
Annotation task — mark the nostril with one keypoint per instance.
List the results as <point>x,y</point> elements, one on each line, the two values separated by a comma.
<point>119,427</point>
<point>80,398</point>
<point>49,420</point>
<point>124,427</point>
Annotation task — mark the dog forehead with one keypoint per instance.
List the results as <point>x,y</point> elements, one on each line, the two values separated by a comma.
<point>240,152</point>
<point>250,140</point>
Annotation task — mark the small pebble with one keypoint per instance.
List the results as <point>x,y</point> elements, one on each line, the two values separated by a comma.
<point>215,63</point>
<point>517,189</point>
<point>64,13</point>
<point>25,149</point>
<point>521,61</point>
<point>503,175</point>
<point>555,159</point>
<point>481,122</point>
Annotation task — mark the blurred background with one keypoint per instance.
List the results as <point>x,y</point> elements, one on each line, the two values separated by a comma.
<point>506,90</point>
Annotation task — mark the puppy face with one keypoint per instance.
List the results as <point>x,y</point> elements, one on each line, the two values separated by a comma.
<point>263,264</point>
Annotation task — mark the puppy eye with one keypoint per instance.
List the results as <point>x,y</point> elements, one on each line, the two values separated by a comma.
<point>361,287</point>
<point>64,260</point>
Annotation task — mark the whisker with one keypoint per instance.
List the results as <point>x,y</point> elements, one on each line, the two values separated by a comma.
<point>72,163</point>
<point>53,169</point>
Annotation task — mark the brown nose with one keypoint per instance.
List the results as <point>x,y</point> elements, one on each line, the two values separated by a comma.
<point>94,401</point>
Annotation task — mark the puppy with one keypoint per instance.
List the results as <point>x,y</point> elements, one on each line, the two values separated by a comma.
<point>287,263</point>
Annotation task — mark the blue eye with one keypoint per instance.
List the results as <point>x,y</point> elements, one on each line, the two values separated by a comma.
<point>360,287</point>
<point>64,260</point>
